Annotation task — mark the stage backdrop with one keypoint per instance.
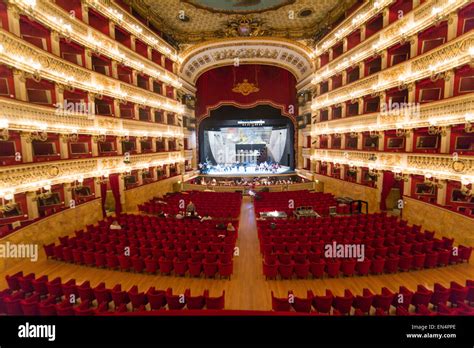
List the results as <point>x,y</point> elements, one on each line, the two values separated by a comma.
<point>246,86</point>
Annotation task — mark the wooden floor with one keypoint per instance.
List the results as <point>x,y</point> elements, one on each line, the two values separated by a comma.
<point>247,289</point>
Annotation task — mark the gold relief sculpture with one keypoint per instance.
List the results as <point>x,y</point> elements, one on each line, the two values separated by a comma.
<point>245,88</point>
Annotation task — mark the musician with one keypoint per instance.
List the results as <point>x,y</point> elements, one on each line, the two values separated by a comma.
<point>191,208</point>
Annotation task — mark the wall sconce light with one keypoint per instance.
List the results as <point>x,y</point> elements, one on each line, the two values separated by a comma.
<point>400,132</point>
<point>38,136</point>
<point>436,130</point>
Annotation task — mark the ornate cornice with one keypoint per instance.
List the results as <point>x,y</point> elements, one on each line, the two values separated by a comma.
<point>453,54</point>
<point>29,117</point>
<point>444,112</point>
<point>288,55</point>
<point>23,56</point>
<point>32,176</point>
<point>439,166</point>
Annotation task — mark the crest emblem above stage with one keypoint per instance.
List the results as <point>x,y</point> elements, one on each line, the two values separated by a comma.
<point>245,88</point>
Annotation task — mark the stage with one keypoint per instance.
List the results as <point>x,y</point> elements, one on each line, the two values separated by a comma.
<point>252,170</point>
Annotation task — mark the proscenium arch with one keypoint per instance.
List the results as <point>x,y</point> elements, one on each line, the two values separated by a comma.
<point>286,54</point>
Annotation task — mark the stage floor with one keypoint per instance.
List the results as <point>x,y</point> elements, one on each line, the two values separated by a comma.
<point>248,171</point>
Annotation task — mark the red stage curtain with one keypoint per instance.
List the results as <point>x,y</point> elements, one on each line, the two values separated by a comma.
<point>389,182</point>
<point>103,196</point>
<point>114,185</point>
<point>276,86</point>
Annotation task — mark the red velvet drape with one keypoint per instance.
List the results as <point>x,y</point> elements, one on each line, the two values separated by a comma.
<point>389,182</point>
<point>103,196</point>
<point>276,86</point>
<point>115,187</point>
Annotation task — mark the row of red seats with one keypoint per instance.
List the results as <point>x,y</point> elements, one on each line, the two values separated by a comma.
<point>215,204</point>
<point>141,245</point>
<point>287,201</point>
<point>28,295</point>
<point>286,266</point>
<point>460,298</point>
<point>210,264</point>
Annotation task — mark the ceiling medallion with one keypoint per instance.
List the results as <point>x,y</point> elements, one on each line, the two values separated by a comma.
<point>245,88</point>
<point>244,27</point>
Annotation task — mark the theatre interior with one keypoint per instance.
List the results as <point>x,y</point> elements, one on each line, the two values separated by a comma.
<point>241,157</point>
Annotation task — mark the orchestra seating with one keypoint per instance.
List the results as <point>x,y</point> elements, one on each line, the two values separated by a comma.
<point>455,300</point>
<point>289,200</point>
<point>33,296</point>
<point>296,247</point>
<point>215,204</point>
<point>151,244</point>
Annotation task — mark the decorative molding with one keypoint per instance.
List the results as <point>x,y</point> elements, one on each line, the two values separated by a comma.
<point>26,57</point>
<point>238,51</point>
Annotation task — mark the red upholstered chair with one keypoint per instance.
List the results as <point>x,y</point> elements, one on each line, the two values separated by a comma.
<point>137,298</point>
<point>58,252</point>
<point>89,258</point>
<point>195,268</point>
<point>55,287</point>
<point>378,264</point>
<point>464,253</point>
<point>225,269</point>
<point>47,307</point>
<point>166,265</point>
<point>151,265</point>
<point>77,256</point>
<point>286,270</point>
<point>65,308</point>
<point>402,311</point>
<point>13,281</point>
<point>125,263</point>
<point>137,264</point>
<point>406,262</point>
<point>70,289</point>
<point>102,294</point>
<point>30,306</point>
<point>13,303</point>
<point>112,261</point>
<point>422,296</point>
<point>40,285</point>
<point>364,302</point>
<point>84,309</point>
<point>470,291</point>
<point>301,269</point>
<point>419,260</point>
<point>458,293</point>
<point>270,271</point>
<point>384,300</point>
<point>214,302</point>
<point>194,302</point>
<point>175,301</point>
<point>85,292</point>
<point>303,305</point>
<point>344,303</point>
<point>431,259</point>
<point>403,298</point>
<point>67,254</point>
<point>333,267</point>
<point>100,259</point>
<point>363,267</point>
<point>157,298</point>
<point>464,309</point>
<point>210,268</point>
<point>440,295</point>
<point>180,266</point>
<point>317,268</point>
<point>423,310</point>
<point>26,283</point>
<point>443,257</point>
<point>49,250</point>
<point>348,267</point>
<point>323,303</point>
<point>119,296</point>
<point>391,263</point>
